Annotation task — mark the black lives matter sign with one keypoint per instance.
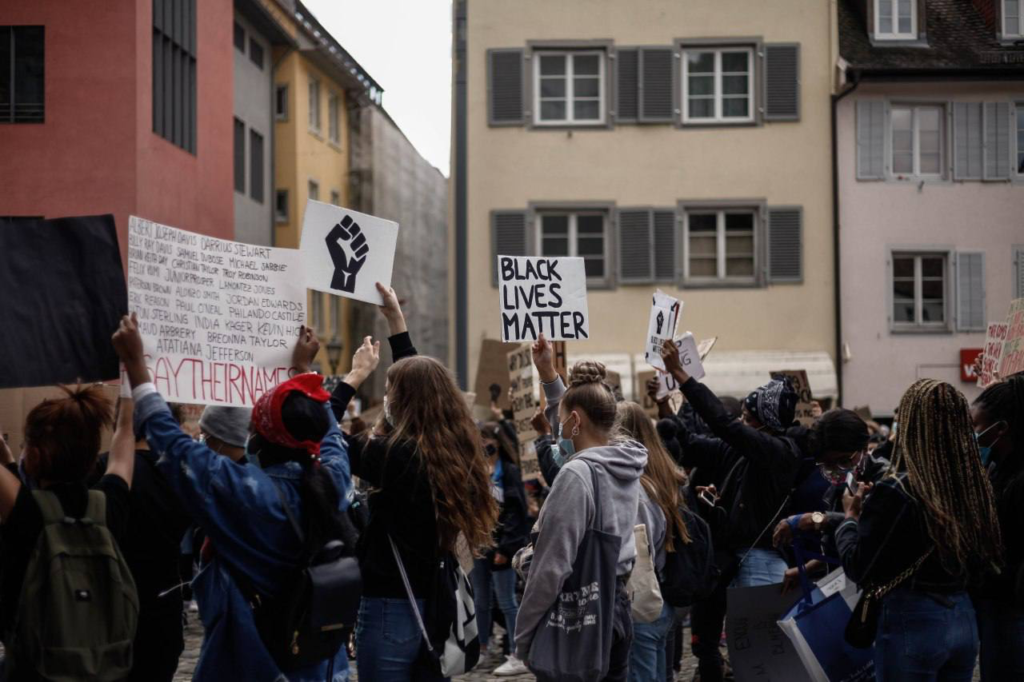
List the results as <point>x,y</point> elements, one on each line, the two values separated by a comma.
<point>542,296</point>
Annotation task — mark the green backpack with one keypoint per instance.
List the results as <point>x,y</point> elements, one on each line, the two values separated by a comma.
<point>79,609</point>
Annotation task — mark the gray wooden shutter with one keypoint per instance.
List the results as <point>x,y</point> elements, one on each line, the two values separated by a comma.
<point>970,291</point>
<point>968,158</point>
<point>508,237</point>
<point>782,82</point>
<point>785,244</point>
<point>665,245</point>
<point>997,140</point>
<point>1018,272</point>
<point>635,246</point>
<point>657,101</point>
<point>627,85</point>
<point>870,140</point>
<point>505,78</point>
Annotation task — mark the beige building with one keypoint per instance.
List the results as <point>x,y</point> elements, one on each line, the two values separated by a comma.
<point>681,146</point>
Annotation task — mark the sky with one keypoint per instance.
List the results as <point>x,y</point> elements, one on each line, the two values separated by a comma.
<point>405,45</point>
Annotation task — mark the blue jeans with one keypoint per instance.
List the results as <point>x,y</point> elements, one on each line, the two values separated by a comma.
<point>647,658</point>
<point>761,567</point>
<point>502,586</point>
<point>921,640</point>
<point>388,641</point>
<point>1001,626</point>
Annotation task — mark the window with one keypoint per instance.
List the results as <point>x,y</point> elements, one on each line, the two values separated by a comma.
<point>570,88</point>
<point>336,197</point>
<point>919,291</point>
<point>316,311</point>
<point>579,234</point>
<point>314,190</point>
<point>256,167</point>
<point>314,105</point>
<point>256,53</point>
<point>336,316</point>
<point>1020,138</point>
<point>333,130</point>
<point>917,135</point>
<point>281,103</point>
<point>1013,19</point>
<point>718,85</point>
<point>720,245</point>
<point>21,74</point>
<point>895,19</point>
<point>239,37</point>
<point>281,206</point>
<point>239,156</point>
<point>174,72</point>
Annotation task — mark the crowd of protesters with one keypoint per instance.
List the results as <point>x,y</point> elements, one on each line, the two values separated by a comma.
<point>405,542</point>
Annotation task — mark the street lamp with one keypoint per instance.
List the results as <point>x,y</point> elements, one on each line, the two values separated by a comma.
<point>334,348</point>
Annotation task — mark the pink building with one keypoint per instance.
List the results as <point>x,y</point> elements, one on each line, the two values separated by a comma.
<point>931,188</point>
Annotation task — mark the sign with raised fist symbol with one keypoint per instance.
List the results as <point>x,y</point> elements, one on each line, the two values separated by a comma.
<point>348,250</point>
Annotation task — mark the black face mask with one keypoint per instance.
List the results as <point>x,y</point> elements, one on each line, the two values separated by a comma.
<point>490,450</point>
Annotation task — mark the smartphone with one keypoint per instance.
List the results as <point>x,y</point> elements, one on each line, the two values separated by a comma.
<point>708,498</point>
<point>851,483</point>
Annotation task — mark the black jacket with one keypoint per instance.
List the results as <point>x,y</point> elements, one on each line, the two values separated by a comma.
<point>513,529</point>
<point>756,470</point>
<point>1008,486</point>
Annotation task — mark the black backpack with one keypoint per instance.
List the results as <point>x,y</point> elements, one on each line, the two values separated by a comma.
<point>690,572</point>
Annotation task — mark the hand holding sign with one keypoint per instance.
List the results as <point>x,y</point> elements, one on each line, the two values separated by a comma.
<point>128,344</point>
<point>348,249</point>
<point>306,348</point>
<point>543,359</point>
<point>392,310</point>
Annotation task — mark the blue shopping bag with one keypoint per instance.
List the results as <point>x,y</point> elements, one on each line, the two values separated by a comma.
<point>816,627</point>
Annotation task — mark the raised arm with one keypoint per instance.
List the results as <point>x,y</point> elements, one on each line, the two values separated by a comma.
<point>543,360</point>
<point>122,447</point>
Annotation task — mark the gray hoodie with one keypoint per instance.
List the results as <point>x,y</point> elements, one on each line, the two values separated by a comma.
<point>568,513</point>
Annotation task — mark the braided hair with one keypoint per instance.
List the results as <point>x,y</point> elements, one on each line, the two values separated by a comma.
<point>936,445</point>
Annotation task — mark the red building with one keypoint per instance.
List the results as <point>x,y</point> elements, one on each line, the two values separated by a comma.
<point>118,106</point>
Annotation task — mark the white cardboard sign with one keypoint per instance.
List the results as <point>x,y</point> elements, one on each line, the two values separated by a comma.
<point>345,252</point>
<point>661,327</point>
<point>542,296</point>
<point>219,319</point>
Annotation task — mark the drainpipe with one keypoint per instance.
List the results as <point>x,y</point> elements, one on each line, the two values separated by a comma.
<point>461,226</point>
<point>836,265</point>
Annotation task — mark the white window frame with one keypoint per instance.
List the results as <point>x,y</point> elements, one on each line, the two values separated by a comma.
<point>720,244</point>
<point>281,115</point>
<point>313,187</point>
<point>314,105</point>
<point>895,34</point>
<point>916,173</point>
<point>719,118</point>
<point>948,292</point>
<point>334,117</point>
<point>569,119</point>
<point>316,310</point>
<point>573,237</point>
<point>1018,30</point>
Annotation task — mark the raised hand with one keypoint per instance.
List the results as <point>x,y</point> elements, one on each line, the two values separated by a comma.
<point>392,309</point>
<point>365,360</point>
<point>348,249</point>
<point>544,359</point>
<point>670,355</point>
<point>128,344</point>
<point>306,348</point>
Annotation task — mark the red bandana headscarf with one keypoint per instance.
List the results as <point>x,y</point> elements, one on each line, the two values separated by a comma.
<point>267,418</point>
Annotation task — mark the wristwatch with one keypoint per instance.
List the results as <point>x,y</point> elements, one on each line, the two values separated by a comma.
<point>818,519</point>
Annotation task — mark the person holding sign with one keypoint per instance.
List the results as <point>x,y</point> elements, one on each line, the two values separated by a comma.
<point>249,513</point>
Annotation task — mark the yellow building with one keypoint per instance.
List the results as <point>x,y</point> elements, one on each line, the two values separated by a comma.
<point>317,85</point>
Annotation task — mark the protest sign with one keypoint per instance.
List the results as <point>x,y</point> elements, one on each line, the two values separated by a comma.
<point>758,649</point>
<point>798,379</point>
<point>492,373</point>
<point>345,252</point>
<point>675,398</point>
<point>661,327</point>
<point>692,358</point>
<point>991,354</point>
<point>63,295</point>
<point>523,390</point>
<point>219,319</point>
<point>542,296</point>
<point>1012,360</point>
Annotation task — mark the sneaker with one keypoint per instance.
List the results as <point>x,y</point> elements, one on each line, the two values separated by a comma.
<point>511,667</point>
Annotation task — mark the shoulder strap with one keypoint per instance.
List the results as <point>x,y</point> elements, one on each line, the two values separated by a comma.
<point>96,509</point>
<point>598,517</point>
<point>49,506</point>
<point>410,595</point>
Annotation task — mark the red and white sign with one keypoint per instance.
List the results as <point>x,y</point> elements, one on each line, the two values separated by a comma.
<point>968,356</point>
<point>990,360</point>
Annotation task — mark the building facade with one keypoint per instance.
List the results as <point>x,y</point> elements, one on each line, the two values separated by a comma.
<point>931,188</point>
<point>681,146</point>
<point>127,117</point>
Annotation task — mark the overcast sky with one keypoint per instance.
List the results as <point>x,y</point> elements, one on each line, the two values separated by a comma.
<point>406,46</point>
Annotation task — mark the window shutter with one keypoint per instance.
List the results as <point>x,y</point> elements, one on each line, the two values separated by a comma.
<point>970,288</point>
<point>627,85</point>
<point>968,161</point>
<point>635,246</point>
<point>665,245</point>
<point>656,84</point>
<point>1018,272</point>
<point>870,139</point>
<point>997,140</point>
<point>782,82</point>
<point>508,237</point>
<point>505,78</point>
<point>785,245</point>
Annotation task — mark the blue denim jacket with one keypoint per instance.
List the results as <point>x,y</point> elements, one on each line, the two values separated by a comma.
<point>242,515</point>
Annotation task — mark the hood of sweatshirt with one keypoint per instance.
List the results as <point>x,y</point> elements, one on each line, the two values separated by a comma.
<point>624,461</point>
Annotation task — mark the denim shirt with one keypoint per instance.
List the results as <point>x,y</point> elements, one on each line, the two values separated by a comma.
<point>240,510</point>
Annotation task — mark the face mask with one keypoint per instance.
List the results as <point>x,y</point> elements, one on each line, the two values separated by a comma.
<point>387,413</point>
<point>563,448</point>
<point>986,450</point>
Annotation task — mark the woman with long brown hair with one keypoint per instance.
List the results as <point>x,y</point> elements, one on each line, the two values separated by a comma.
<point>661,500</point>
<point>429,486</point>
<point>917,539</point>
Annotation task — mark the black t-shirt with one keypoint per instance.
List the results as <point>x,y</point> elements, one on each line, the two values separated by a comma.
<point>22,528</point>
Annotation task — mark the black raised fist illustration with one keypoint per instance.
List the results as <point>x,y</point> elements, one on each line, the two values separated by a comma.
<point>661,321</point>
<point>348,249</point>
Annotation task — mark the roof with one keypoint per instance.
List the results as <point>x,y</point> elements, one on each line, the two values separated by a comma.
<point>330,52</point>
<point>959,43</point>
